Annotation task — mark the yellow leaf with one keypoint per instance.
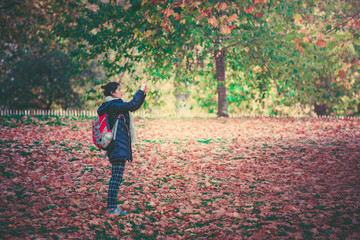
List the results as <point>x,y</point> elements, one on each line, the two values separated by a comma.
<point>319,35</point>
<point>148,33</point>
<point>212,21</point>
<point>196,4</point>
<point>307,39</point>
<point>225,30</point>
<point>222,18</point>
<point>257,69</point>
<point>126,7</point>
<point>298,18</point>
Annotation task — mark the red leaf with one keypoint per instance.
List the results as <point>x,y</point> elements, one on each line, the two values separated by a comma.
<point>168,12</point>
<point>233,18</point>
<point>178,16</point>
<point>307,40</point>
<point>342,74</point>
<point>248,9</point>
<point>310,18</point>
<point>201,15</point>
<point>276,158</point>
<point>259,14</point>
<point>165,26</point>
<point>357,23</point>
<point>321,43</point>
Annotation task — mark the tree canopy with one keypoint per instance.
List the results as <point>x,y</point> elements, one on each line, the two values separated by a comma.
<point>242,48</point>
<point>223,53</point>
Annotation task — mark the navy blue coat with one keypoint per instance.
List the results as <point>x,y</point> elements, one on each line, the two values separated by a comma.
<point>120,149</point>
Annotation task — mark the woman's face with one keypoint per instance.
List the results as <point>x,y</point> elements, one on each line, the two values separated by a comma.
<point>117,93</point>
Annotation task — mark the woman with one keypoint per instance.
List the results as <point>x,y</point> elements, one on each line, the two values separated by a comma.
<point>119,150</point>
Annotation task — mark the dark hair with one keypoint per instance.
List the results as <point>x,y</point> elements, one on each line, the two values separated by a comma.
<point>110,87</point>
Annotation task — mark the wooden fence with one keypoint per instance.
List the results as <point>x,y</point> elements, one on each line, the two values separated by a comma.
<point>93,113</point>
<point>145,114</point>
<point>59,113</point>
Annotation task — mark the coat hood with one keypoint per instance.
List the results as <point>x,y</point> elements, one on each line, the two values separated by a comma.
<point>103,108</point>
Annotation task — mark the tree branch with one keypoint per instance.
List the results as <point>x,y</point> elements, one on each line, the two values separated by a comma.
<point>342,24</point>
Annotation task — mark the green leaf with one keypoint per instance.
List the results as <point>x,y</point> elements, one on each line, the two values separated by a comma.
<point>330,45</point>
<point>290,37</point>
<point>282,59</point>
<point>343,35</point>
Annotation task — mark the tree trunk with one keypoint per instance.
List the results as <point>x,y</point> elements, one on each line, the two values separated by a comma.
<point>321,107</point>
<point>220,76</point>
<point>320,110</point>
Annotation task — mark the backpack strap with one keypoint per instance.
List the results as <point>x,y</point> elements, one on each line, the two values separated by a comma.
<point>115,126</point>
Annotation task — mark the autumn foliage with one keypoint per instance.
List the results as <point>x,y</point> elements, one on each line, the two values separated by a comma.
<point>257,178</point>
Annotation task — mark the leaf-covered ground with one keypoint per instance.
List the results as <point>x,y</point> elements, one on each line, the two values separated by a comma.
<point>204,178</point>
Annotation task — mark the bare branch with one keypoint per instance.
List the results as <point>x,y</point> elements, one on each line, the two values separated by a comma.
<point>342,24</point>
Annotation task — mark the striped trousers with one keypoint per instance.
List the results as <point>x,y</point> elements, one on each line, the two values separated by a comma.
<point>117,171</point>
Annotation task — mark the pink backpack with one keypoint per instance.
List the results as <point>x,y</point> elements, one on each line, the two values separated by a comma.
<point>101,132</point>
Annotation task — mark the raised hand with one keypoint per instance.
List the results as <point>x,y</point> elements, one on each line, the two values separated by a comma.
<point>144,87</point>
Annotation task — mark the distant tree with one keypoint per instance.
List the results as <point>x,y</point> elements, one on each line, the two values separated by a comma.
<point>328,44</point>
<point>36,69</point>
<point>43,79</point>
<point>27,23</point>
